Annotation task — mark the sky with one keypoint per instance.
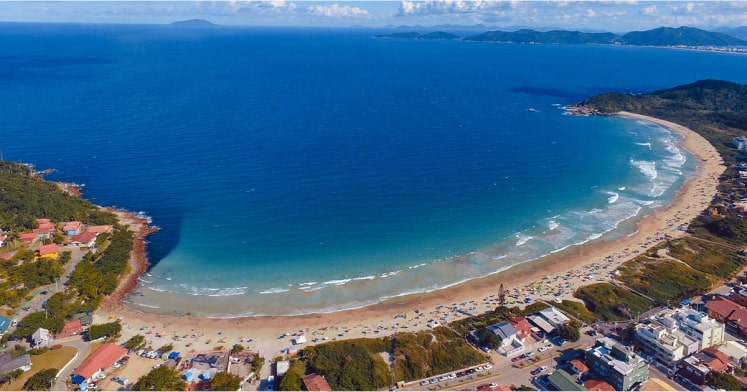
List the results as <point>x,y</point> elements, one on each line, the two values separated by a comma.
<point>613,16</point>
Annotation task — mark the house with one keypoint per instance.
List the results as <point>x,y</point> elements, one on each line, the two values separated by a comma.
<point>523,329</point>
<point>7,256</point>
<point>736,352</point>
<point>95,363</point>
<point>85,318</point>
<point>739,295</point>
<point>510,344</point>
<point>696,324</point>
<point>616,364</point>
<point>72,228</point>
<point>100,229</point>
<point>9,364</point>
<point>214,360</point>
<point>87,239</point>
<point>667,345</point>
<point>72,328</point>
<point>50,251</point>
<point>40,338</point>
<point>737,322</point>
<point>315,382</point>
<point>4,324</point>
<point>598,385</point>
<point>42,221</point>
<point>42,234</point>
<point>578,368</point>
<point>721,308</point>
<point>554,317</point>
<point>27,237</point>
<point>541,325</point>
<point>562,381</point>
<point>697,367</point>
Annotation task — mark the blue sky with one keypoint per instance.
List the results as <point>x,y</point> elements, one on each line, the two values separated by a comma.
<point>615,16</point>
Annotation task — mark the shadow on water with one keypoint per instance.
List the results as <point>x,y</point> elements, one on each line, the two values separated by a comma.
<point>162,242</point>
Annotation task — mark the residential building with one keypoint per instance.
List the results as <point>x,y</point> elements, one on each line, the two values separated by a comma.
<point>87,239</point>
<point>27,237</point>
<point>50,251</point>
<point>720,308</point>
<point>736,352</point>
<point>72,328</point>
<point>510,344</point>
<point>9,364</point>
<point>695,324</point>
<point>616,364</point>
<point>523,329</point>
<point>739,295</point>
<point>72,228</point>
<point>562,381</point>
<point>554,317</point>
<point>315,382</point>
<point>100,229</point>
<point>697,367</point>
<point>578,368</point>
<point>541,325</point>
<point>95,363</point>
<point>598,385</point>
<point>40,338</point>
<point>666,345</point>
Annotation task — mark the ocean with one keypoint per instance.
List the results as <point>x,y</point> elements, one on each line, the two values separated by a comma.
<point>294,171</point>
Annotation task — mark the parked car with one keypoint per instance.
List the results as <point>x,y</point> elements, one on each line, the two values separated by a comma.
<point>539,370</point>
<point>488,367</point>
<point>424,382</point>
<point>542,349</point>
<point>26,308</point>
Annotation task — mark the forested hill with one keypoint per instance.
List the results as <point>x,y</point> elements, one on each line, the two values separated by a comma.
<point>25,196</point>
<point>716,109</point>
<point>662,36</point>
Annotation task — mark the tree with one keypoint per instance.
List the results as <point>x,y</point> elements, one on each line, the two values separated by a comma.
<point>225,382</point>
<point>570,331</point>
<point>135,342</point>
<point>160,379</point>
<point>41,381</point>
<point>489,339</point>
<point>257,363</point>
<point>501,296</point>
<point>724,381</point>
<point>291,380</point>
<point>100,330</point>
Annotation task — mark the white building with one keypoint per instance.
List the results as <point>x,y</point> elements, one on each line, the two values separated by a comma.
<point>40,337</point>
<point>510,343</point>
<point>554,317</point>
<point>699,326</point>
<point>666,345</point>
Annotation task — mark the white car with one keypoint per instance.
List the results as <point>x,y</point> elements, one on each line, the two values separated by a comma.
<point>488,367</point>
<point>542,349</point>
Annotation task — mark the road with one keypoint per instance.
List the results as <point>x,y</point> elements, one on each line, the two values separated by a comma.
<point>64,375</point>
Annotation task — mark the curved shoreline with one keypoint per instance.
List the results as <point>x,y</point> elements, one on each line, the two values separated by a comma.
<point>691,199</point>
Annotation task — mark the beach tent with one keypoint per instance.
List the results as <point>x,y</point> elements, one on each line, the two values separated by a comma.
<point>174,355</point>
<point>188,376</point>
<point>77,379</point>
<point>206,375</point>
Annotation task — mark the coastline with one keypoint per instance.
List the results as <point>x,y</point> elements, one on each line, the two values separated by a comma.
<point>527,279</point>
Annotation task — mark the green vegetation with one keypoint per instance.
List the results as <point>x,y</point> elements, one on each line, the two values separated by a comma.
<point>26,197</point>
<point>364,364</point>
<point>578,310</point>
<point>160,379</point>
<point>724,381</point>
<point>225,382</point>
<point>166,348</point>
<point>608,302</point>
<point>108,330</point>
<point>414,35</point>
<point>135,343</point>
<point>549,37</point>
<point>291,381</point>
<point>664,280</point>
<point>92,279</point>
<point>706,257</point>
<point>570,331</point>
<point>41,381</point>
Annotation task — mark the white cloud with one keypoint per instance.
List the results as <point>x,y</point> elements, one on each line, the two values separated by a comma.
<point>336,10</point>
<point>440,7</point>
<point>649,11</point>
<point>590,13</point>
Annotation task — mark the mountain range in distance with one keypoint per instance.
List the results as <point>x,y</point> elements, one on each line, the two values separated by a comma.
<point>662,36</point>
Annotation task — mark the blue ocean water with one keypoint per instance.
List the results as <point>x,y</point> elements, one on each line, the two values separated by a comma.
<point>302,170</point>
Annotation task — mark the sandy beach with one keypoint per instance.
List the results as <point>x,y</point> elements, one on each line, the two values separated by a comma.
<point>555,276</point>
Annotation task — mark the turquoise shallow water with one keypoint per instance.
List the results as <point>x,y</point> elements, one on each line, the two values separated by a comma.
<point>312,170</point>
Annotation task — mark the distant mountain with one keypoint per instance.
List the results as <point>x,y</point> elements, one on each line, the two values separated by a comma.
<point>193,22</point>
<point>688,36</point>
<point>663,36</point>
<point>739,32</point>
<point>414,35</point>
<point>549,37</point>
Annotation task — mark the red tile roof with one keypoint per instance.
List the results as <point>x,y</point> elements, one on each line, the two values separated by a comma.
<point>315,382</point>
<point>523,329</point>
<point>739,317</point>
<point>721,307</point>
<point>27,237</point>
<point>73,326</point>
<point>48,249</point>
<point>99,229</point>
<point>578,364</point>
<point>6,255</point>
<point>101,359</point>
<point>41,230</point>
<point>41,221</point>
<point>598,385</point>
<point>46,226</point>
<point>83,237</point>
<point>72,226</point>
